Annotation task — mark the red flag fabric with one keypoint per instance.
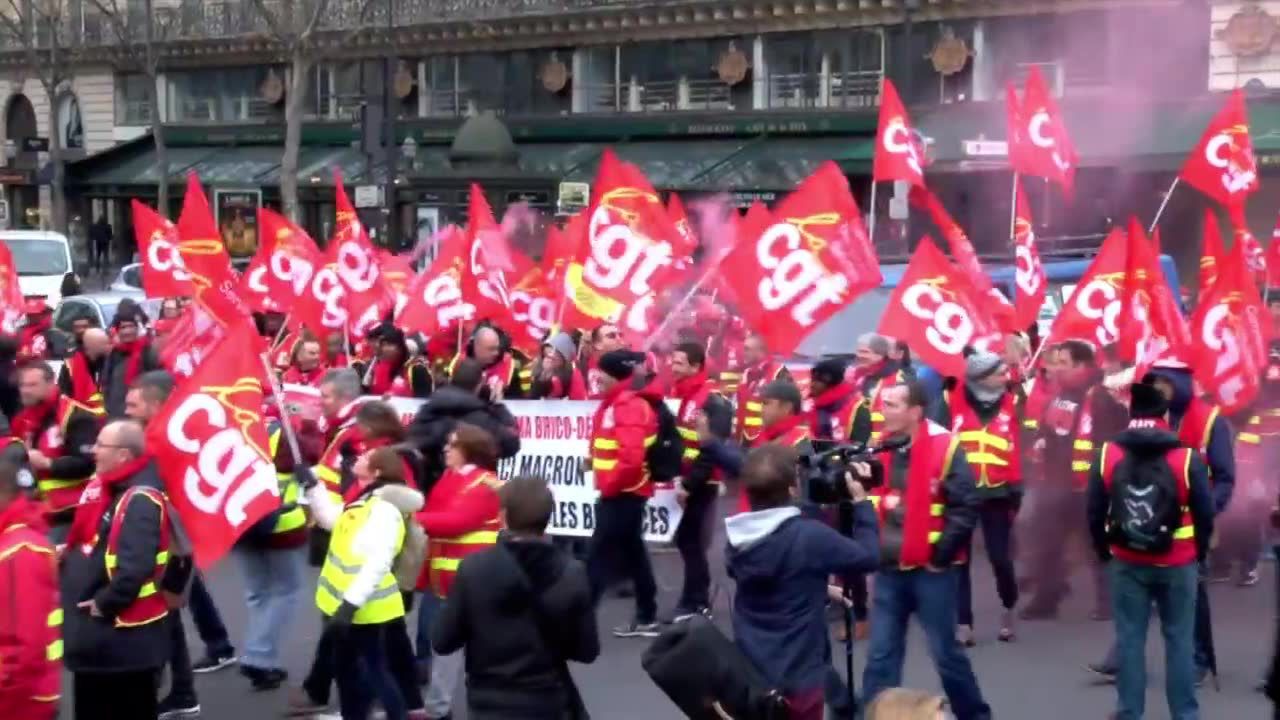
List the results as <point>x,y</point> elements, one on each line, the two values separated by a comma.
<point>1044,149</point>
<point>1223,165</point>
<point>628,254</point>
<point>1014,127</point>
<point>163,273</point>
<point>398,273</point>
<point>898,153</point>
<point>810,260</point>
<point>193,338</point>
<point>1212,253</point>
<point>355,261</point>
<point>1273,257</point>
<point>533,306</point>
<point>435,301</point>
<point>292,260</point>
<point>1092,312</point>
<point>1151,324</point>
<point>214,284</point>
<point>489,256</point>
<point>966,257</point>
<point>1254,256</point>
<point>558,251</point>
<point>1030,284</point>
<point>938,312</point>
<point>1232,331</point>
<point>11,299</point>
<point>210,443</point>
<point>253,289</point>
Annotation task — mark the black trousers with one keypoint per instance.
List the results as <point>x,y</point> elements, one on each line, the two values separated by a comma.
<point>319,679</point>
<point>996,517</point>
<point>116,696</point>
<point>1059,519</point>
<point>693,537</point>
<point>617,549</point>
<point>182,684</point>
<point>362,669</point>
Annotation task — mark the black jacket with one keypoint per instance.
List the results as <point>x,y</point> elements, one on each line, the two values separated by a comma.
<point>959,515</point>
<point>449,406</point>
<point>1149,442</point>
<point>94,644</point>
<point>64,374</point>
<point>114,388</point>
<point>512,672</point>
<point>76,460</point>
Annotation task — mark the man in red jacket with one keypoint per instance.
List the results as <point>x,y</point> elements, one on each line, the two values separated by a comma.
<point>624,427</point>
<point>30,621</point>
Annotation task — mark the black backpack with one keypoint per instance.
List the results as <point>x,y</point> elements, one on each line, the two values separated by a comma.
<point>666,455</point>
<point>1145,511</point>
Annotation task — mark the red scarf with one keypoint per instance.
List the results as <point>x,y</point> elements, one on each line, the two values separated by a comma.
<point>834,394</point>
<point>83,386</point>
<point>916,550</point>
<point>297,376</point>
<point>133,365</point>
<point>96,499</point>
<point>685,388</point>
<point>34,327</point>
<point>384,374</point>
<point>778,429</point>
<point>28,421</point>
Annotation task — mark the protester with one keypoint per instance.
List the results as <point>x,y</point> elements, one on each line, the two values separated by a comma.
<point>519,611</point>
<point>500,369</point>
<point>38,339</point>
<point>622,430</point>
<point>149,392</point>
<point>1150,514</point>
<point>874,371</point>
<point>918,548</point>
<point>1081,416</point>
<point>59,434</point>
<point>696,486</point>
<point>555,375</point>
<point>605,338</point>
<point>983,414</point>
<point>396,371</point>
<point>81,375</point>
<point>114,635</point>
<point>461,518</point>
<point>358,592</point>
<point>339,401</point>
<point>100,236</point>
<point>131,356</point>
<point>30,616</point>
<point>306,366</point>
<point>463,400</point>
<point>759,369</point>
<point>781,562</point>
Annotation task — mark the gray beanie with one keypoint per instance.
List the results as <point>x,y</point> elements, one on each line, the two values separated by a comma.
<point>876,343</point>
<point>563,343</point>
<point>981,365</point>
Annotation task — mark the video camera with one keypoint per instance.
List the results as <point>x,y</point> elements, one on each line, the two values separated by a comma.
<point>823,473</point>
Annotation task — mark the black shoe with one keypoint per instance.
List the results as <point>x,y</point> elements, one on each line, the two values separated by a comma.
<point>213,663</point>
<point>174,708</point>
<point>685,614</point>
<point>263,679</point>
<point>637,629</point>
<point>1104,672</point>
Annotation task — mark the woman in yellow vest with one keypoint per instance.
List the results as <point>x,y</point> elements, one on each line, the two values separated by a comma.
<point>357,591</point>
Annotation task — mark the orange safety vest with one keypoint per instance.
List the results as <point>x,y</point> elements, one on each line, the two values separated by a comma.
<point>605,446</point>
<point>942,447</point>
<point>1197,425</point>
<point>504,369</point>
<point>790,438</point>
<point>750,405</point>
<point>875,404</point>
<point>150,605</point>
<point>993,449</point>
<point>1183,550</point>
<point>329,469</point>
<point>1082,442</point>
<point>446,554</point>
<point>60,493</point>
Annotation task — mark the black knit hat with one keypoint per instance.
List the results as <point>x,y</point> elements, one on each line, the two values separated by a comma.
<point>784,391</point>
<point>829,371</point>
<point>1147,402</point>
<point>620,364</point>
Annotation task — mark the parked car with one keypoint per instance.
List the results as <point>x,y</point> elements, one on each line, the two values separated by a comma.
<point>100,307</point>
<point>43,262</point>
<point>128,280</point>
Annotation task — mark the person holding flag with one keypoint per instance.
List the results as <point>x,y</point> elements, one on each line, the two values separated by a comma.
<point>131,356</point>
<point>490,347</point>
<point>81,375</point>
<point>306,364</point>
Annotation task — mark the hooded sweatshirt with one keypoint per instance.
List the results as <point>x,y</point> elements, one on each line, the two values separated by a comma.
<point>519,609</point>
<point>781,562</point>
<point>1220,454</point>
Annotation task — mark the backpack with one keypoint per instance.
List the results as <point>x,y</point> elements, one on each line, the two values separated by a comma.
<point>1145,511</point>
<point>666,456</point>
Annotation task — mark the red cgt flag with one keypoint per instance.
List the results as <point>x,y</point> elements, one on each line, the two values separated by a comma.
<point>1222,165</point>
<point>533,306</point>
<point>1030,284</point>
<point>205,257</point>
<point>810,259</point>
<point>1212,255</point>
<point>398,274</point>
<point>898,152</point>
<point>938,312</point>
<point>1093,310</point>
<point>11,300</point>
<point>1043,147</point>
<point>210,442</point>
<point>626,257</point>
<point>1232,331</point>
<point>355,262</point>
<point>163,273</point>
<point>435,301</point>
<point>1151,323</point>
<point>192,339</point>
<point>286,262</point>
<point>489,257</point>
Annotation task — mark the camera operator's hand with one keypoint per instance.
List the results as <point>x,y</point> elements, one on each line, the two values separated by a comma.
<point>835,594</point>
<point>857,493</point>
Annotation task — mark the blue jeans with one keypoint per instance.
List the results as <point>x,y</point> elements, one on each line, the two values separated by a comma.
<point>931,596</point>
<point>1173,590</point>
<point>208,623</point>
<point>428,606</point>
<point>272,586</point>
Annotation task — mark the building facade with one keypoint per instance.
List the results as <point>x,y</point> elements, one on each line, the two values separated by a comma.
<point>707,96</point>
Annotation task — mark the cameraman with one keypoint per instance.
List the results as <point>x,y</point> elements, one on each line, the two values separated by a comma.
<point>928,507</point>
<point>781,562</point>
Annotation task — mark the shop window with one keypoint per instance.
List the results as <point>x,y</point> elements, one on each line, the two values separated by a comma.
<point>221,95</point>
<point>133,99</point>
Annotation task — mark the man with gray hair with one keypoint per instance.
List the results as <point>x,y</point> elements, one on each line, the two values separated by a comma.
<point>340,392</point>
<point>874,371</point>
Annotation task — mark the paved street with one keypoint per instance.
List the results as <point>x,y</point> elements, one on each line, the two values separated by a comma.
<point>1039,677</point>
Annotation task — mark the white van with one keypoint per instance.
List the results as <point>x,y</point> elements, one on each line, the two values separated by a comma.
<point>43,260</point>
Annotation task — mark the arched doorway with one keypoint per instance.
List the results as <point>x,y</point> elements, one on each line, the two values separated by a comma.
<point>19,181</point>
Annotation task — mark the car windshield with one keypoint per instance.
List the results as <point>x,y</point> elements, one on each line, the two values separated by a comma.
<point>38,257</point>
<point>150,306</point>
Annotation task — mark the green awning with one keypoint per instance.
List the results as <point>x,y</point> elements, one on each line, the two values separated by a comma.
<point>782,163</point>
<point>141,168</point>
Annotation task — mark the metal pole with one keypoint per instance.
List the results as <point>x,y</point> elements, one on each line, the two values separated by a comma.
<point>285,426</point>
<point>871,223</point>
<point>390,147</point>
<point>1013,214</point>
<point>1164,203</point>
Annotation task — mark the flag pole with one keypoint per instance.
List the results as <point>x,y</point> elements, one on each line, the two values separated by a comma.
<point>285,426</point>
<point>1013,213</point>
<point>1164,203</point>
<point>871,223</point>
<point>675,309</point>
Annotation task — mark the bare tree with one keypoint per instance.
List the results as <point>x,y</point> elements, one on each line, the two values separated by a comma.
<point>137,29</point>
<point>303,29</point>
<point>42,28</point>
